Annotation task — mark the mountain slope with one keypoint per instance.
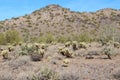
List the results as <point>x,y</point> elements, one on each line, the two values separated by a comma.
<point>61,21</point>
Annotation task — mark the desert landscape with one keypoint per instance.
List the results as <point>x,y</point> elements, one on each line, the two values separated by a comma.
<point>55,43</point>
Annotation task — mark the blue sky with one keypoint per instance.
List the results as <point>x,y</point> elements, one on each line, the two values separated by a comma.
<point>15,8</point>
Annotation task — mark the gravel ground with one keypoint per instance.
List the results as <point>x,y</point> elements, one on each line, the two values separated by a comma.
<point>79,68</point>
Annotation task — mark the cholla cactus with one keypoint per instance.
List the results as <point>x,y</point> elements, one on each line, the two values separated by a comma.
<point>103,42</point>
<point>14,44</point>
<point>30,48</point>
<point>41,52</point>
<point>20,43</point>
<point>10,48</point>
<point>65,52</point>
<point>82,45</point>
<point>43,46</point>
<point>61,51</point>
<point>4,53</point>
<point>37,45</point>
<point>66,61</point>
<point>116,44</point>
<point>74,45</point>
<point>26,49</point>
<point>67,44</point>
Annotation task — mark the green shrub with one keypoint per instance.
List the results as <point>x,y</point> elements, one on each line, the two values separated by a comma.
<point>108,33</point>
<point>63,39</point>
<point>2,39</point>
<point>12,36</point>
<point>47,74</point>
<point>49,37</point>
<point>84,37</point>
<point>41,39</point>
<point>109,51</point>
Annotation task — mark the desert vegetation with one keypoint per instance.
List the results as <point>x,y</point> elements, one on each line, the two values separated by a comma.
<point>62,45</point>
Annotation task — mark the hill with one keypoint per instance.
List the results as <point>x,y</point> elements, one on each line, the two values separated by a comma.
<point>61,21</point>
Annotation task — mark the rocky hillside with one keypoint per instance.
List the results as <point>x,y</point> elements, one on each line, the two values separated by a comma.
<point>62,21</point>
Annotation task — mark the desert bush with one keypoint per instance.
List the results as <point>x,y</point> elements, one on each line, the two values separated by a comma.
<point>5,75</point>
<point>117,75</point>
<point>65,75</point>
<point>84,37</point>
<point>47,74</point>
<point>26,76</point>
<point>21,61</point>
<point>109,50</point>
<point>63,39</point>
<point>2,39</point>
<point>41,39</point>
<point>12,36</point>
<point>107,33</point>
<point>49,37</point>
